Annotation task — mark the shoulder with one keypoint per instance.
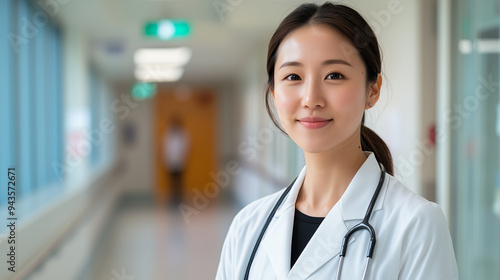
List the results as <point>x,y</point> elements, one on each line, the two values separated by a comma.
<point>426,248</point>
<point>414,210</point>
<point>398,195</point>
<point>242,234</point>
<point>258,209</point>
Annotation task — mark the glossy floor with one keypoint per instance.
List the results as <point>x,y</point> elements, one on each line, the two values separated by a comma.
<point>146,242</point>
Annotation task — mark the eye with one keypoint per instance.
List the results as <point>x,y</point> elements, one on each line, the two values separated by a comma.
<point>292,77</point>
<point>335,76</point>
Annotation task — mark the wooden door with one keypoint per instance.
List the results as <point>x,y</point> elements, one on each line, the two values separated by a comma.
<point>197,111</point>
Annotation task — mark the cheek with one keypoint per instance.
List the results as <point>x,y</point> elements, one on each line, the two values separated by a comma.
<point>351,98</point>
<point>286,103</point>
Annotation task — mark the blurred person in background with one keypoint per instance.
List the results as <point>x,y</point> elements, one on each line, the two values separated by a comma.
<point>175,145</point>
<point>324,72</point>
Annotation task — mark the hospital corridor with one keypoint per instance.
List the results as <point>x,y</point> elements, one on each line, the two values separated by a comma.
<point>134,131</point>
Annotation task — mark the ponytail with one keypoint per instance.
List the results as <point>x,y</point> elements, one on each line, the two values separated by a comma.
<point>370,141</point>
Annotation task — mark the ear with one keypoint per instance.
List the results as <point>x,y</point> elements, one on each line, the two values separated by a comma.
<point>374,92</point>
<point>271,89</point>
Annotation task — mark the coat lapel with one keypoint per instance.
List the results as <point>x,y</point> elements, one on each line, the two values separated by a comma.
<point>277,241</point>
<point>323,246</point>
<point>359,193</point>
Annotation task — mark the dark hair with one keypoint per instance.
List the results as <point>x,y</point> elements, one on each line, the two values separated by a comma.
<point>353,26</point>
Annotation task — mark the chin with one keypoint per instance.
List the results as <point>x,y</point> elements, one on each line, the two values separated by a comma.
<point>313,146</point>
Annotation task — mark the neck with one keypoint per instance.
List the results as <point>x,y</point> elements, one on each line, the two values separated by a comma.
<point>328,174</point>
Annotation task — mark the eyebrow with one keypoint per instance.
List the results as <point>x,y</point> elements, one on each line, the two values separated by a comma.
<point>326,62</point>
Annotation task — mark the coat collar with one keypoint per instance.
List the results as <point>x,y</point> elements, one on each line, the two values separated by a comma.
<point>357,197</point>
<point>325,244</point>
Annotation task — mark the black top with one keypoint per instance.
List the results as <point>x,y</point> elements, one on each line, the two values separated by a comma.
<point>303,229</point>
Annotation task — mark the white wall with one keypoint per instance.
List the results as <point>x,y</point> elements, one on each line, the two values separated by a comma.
<point>407,104</point>
<point>428,108</point>
<point>136,157</point>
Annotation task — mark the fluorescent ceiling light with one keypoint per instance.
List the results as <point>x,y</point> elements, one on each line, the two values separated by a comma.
<point>173,56</point>
<point>158,73</point>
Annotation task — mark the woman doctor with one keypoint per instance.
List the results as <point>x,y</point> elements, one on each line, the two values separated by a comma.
<point>323,70</point>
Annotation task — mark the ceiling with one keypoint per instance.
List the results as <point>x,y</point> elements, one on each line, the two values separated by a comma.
<point>224,33</point>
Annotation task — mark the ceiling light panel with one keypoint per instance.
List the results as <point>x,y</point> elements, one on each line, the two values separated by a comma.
<point>172,56</point>
<point>158,73</point>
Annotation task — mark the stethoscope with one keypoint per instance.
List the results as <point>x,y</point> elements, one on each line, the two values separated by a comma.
<point>363,225</point>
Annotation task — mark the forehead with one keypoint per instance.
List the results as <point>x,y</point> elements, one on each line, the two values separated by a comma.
<point>316,43</point>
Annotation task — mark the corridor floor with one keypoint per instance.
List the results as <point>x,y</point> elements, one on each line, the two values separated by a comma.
<point>145,242</point>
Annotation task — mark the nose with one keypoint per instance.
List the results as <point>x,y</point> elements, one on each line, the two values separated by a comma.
<point>313,95</point>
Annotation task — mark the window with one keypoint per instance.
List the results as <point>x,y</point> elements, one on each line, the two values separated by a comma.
<point>475,130</point>
<point>7,142</point>
<point>24,115</point>
<point>31,99</point>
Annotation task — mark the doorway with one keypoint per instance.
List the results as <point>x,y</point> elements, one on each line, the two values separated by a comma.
<point>196,110</point>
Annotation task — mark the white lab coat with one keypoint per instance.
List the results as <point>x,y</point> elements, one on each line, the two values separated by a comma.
<point>413,241</point>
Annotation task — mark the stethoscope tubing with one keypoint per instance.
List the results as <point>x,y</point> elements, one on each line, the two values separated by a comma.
<point>363,225</point>
<point>264,228</point>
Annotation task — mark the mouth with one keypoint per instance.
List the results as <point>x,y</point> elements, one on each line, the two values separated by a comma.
<point>314,122</point>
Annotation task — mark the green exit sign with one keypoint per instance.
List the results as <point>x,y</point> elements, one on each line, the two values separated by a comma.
<point>167,29</point>
<point>143,90</point>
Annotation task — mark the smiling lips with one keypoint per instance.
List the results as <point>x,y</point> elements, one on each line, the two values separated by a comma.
<point>314,122</point>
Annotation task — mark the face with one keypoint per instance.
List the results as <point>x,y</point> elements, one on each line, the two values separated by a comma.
<point>320,89</point>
